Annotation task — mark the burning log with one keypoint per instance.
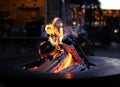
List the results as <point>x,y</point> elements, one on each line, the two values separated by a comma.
<point>67,61</point>
<point>64,63</point>
<point>76,67</point>
<point>73,40</point>
<point>47,67</point>
<point>74,53</point>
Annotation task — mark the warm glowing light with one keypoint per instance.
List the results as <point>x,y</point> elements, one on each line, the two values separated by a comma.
<point>61,34</point>
<point>83,11</point>
<point>68,75</point>
<point>34,68</point>
<point>115,31</point>
<point>79,24</point>
<point>50,29</point>
<point>64,64</point>
<point>83,44</point>
<point>23,67</point>
<point>68,60</point>
<point>74,23</point>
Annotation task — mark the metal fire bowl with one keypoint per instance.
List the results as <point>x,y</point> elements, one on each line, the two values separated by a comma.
<point>106,68</point>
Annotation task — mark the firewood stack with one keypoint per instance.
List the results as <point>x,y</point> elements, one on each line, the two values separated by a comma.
<point>49,65</point>
<point>60,50</point>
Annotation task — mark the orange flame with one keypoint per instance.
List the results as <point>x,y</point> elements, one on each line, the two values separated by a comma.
<point>55,38</point>
<point>68,61</point>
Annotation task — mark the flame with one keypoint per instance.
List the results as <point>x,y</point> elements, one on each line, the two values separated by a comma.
<point>68,61</point>
<point>56,35</point>
<point>55,38</point>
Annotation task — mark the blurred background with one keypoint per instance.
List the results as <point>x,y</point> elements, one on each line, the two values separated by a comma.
<point>21,21</point>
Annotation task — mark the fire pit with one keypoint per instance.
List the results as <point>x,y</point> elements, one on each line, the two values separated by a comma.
<point>106,69</point>
<point>61,57</point>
